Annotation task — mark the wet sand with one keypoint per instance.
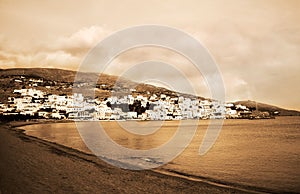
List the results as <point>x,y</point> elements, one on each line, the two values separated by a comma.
<point>32,165</point>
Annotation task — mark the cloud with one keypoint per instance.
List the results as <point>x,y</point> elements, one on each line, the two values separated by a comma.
<point>257,58</point>
<point>80,41</point>
<point>58,59</point>
<point>64,52</point>
<point>131,60</point>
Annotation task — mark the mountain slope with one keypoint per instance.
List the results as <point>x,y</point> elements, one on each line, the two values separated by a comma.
<point>268,108</point>
<point>62,81</point>
<point>61,78</point>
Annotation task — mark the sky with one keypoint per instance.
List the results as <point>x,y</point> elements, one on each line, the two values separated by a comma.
<point>255,43</point>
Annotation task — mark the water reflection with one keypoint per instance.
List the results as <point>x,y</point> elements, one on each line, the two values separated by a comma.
<point>262,153</point>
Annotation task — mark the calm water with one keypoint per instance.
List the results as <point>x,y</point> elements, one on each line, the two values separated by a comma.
<point>258,153</point>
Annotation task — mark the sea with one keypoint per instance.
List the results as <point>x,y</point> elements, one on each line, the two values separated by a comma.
<point>255,155</point>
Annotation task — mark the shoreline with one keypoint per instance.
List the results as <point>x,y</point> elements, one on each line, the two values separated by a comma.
<point>202,184</point>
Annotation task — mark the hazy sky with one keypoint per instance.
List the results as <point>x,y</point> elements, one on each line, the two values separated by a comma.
<point>255,43</point>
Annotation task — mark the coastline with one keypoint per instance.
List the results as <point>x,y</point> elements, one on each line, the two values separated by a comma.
<point>89,166</point>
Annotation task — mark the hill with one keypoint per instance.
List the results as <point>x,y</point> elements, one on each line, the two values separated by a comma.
<point>267,108</point>
<point>61,82</point>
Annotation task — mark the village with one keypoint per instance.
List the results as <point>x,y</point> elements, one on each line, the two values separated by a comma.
<point>29,102</point>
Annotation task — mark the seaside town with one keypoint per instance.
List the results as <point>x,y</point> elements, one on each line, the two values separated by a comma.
<point>31,103</point>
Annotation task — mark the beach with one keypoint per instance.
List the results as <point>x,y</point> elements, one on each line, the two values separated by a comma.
<point>31,165</point>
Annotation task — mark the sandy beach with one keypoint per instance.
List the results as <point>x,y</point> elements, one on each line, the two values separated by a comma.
<point>32,165</point>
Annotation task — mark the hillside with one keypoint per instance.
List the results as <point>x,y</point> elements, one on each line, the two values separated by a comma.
<point>58,75</point>
<point>61,82</point>
<point>268,108</point>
